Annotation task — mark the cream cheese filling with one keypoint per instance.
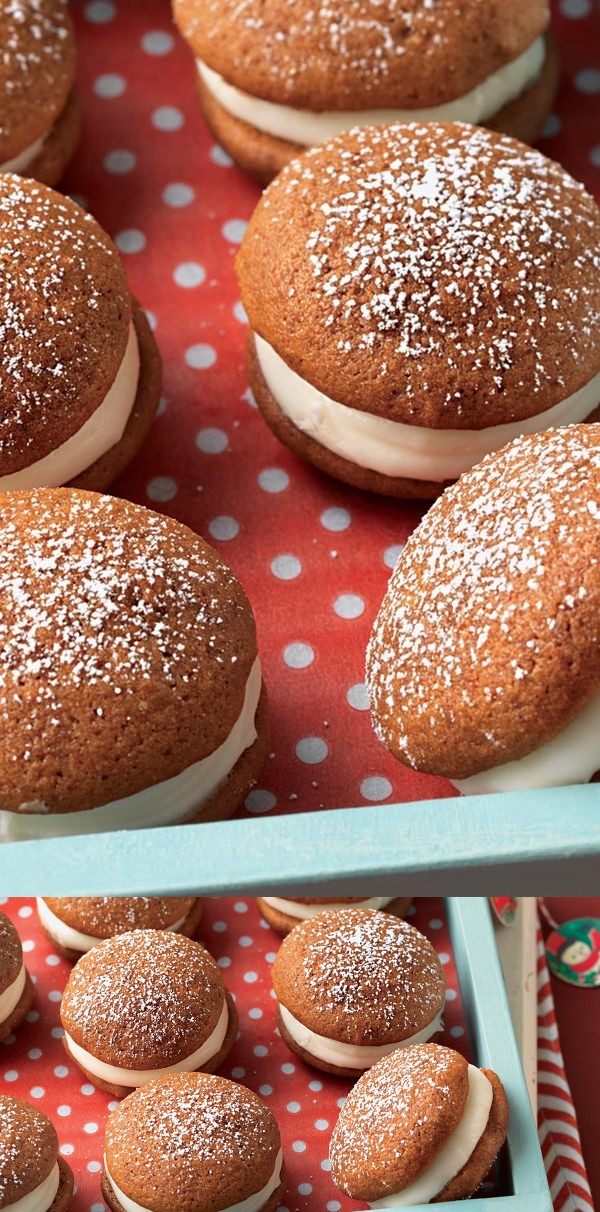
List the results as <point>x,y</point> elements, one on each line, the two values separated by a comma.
<point>167,803</point>
<point>12,995</point>
<point>254,1203</point>
<point>139,1077</point>
<point>307,127</point>
<point>98,434</point>
<point>351,1056</point>
<point>391,447</point>
<point>572,756</point>
<point>42,1197</point>
<point>451,1158</point>
<point>305,912</point>
<point>76,940</point>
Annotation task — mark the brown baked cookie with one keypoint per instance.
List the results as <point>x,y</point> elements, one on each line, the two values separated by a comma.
<point>422,1107</point>
<point>274,78</point>
<point>30,1164</point>
<point>124,637</point>
<point>145,1003</point>
<point>354,984</point>
<point>484,660</point>
<point>417,298</point>
<point>224,1139</point>
<point>75,924</point>
<point>16,989</point>
<point>282,914</point>
<point>80,369</point>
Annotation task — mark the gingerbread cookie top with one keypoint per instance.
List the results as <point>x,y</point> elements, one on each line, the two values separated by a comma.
<point>438,275</point>
<point>105,916</point>
<point>359,54</point>
<point>28,1149</point>
<point>11,953</point>
<point>37,68</point>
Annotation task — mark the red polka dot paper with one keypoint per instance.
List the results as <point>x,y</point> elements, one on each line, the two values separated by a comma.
<point>305,1102</point>
<point>313,555</point>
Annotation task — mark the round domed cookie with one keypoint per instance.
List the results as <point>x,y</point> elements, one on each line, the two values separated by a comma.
<point>80,372</point>
<point>422,1126</point>
<point>127,639</point>
<point>33,1175</point>
<point>193,1143</point>
<point>283,913</point>
<point>417,296</point>
<point>40,117</point>
<point>75,924</point>
<point>484,660</point>
<point>274,78</point>
<point>354,985</point>
<point>144,1004</point>
<point>16,989</point>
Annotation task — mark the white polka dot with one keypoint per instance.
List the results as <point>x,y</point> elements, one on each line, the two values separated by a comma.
<point>451,995</point>
<point>326,1164</point>
<point>435,923</point>
<point>64,1110</point>
<point>288,1068</point>
<point>322,1125</point>
<point>240,907</point>
<point>260,1050</point>
<point>100,11</point>
<point>11,1075</point>
<point>219,927</point>
<point>32,1016</point>
<point>390,555</point>
<point>178,194</point>
<point>61,1071</point>
<point>358,696</point>
<point>52,961</point>
<point>349,606</point>
<point>238,1073</point>
<point>66,1150</point>
<point>315,1086</point>
<point>333,1206</point>
<point>335,519</point>
<point>97,1208</point>
<point>26,911</point>
<point>57,1032</point>
<point>28,944</point>
<point>259,800</point>
<point>94,1167</point>
<point>219,156</point>
<point>167,118</point>
<point>588,80</point>
<point>200,357</point>
<point>250,978</point>
<point>245,941</point>
<point>375,788</point>
<point>248,396</point>
<point>161,488</point>
<point>151,318</point>
<point>286,567</point>
<point>157,42</point>
<point>456,1032</point>
<point>595,155</point>
<point>37,1092</point>
<point>212,441</point>
<point>223,528</point>
<point>34,1053</point>
<point>265,1091</point>
<point>109,86</point>
<point>255,1013</point>
<point>234,230</point>
<point>240,313</point>
<point>87,1089</point>
<point>90,1128</point>
<point>55,995</point>
<point>299,1146</point>
<point>8,1040</point>
<point>298,656</point>
<point>575,8</point>
<point>443,957</point>
<point>552,126</point>
<point>273,479</point>
<point>312,750</point>
<point>131,240</point>
<point>189,274</point>
<point>120,161</point>
<point>224,962</point>
<point>304,1188</point>
<point>293,1108</point>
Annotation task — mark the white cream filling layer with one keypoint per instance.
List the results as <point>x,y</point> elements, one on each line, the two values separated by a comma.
<point>572,756</point>
<point>40,1199</point>
<point>305,912</point>
<point>24,159</point>
<point>254,1203</point>
<point>139,1077</point>
<point>455,1153</point>
<point>75,940</point>
<point>391,447</point>
<point>98,434</point>
<point>167,803</point>
<point>307,127</point>
<point>12,995</point>
<point>350,1056</point>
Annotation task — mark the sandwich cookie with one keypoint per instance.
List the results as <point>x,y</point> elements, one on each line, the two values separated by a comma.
<point>274,78</point>
<point>75,924</point>
<point>80,371</point>
<point>127,639</point>
<point>40,116</point>
<point>193,1143</point>
<point>33,1175</point>
<point>484,660</point>
<point>16,989</point>
<point>418,296</point>
<point>355,985</point>
<point>145,1004</point>
<point>423,1126</point>
<point>283,914</point>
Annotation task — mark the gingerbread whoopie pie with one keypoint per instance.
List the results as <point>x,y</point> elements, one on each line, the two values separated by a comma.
<point>193,1143</point>
<point>354,985</point>
<point>80,372</point>
<point>33,1175</point>
<point>417,296</point>
<point>484,660</point>
<point>422,1126</point>
<point>16,989</point>
<point>130,687</point>
<point>282,914</point>
<point>40,120</point>
<point>144,1004</point>
<point>274,77</point>
<point>75,924</point>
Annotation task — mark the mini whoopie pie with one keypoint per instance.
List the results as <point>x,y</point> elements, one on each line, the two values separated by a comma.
<point>40,116</point>
<point>80,372</point>
<point>127,640</point>
<point>275,77</point>
<point>417,296</point>
<point>16,989</point>
<point>193,1143</point>
<point>144,1004</point>
<point>283,914</point>
<point>352,986</point>
<point>422,1126</point>
<point>33,1175</point>
<point>75,924</point>
<point>484,660</point>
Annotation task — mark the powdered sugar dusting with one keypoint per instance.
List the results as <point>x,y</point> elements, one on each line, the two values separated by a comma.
<point>33,34</point>
<point>11,955</point>
<point>23,1130</point>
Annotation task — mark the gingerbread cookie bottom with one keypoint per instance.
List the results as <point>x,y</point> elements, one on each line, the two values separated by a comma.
<point>282,923</point>
<point>59,145</point>
<point>188,927</point>
<point>110,1199</point>
<point>243,777</point>
<point>20,1011</point>
<point>486,1150</point>
<point>316,1063</point>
